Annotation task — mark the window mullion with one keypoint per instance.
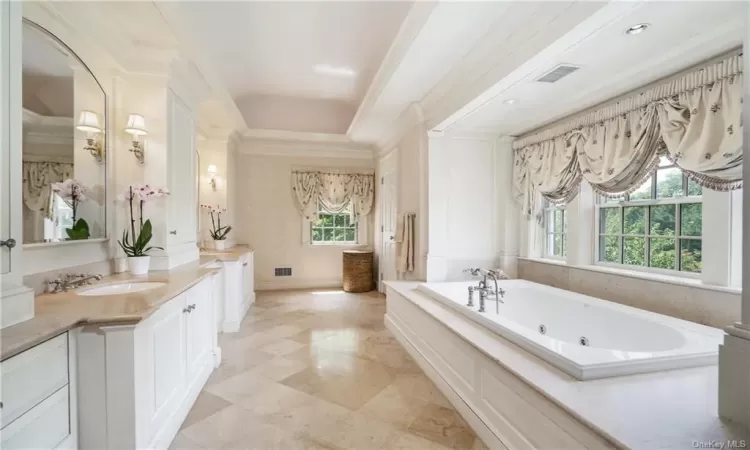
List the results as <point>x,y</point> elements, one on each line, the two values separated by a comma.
<point>677,233</point>
<point>646,238</point>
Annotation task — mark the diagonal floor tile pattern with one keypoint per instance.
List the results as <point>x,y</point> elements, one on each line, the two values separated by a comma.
<point>318,370</point>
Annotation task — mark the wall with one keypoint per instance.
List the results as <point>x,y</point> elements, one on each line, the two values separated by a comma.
<point>269,222</point>
<point>462,211</point>
<point>712,307</point>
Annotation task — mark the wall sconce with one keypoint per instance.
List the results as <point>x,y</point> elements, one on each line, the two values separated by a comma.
<point>137,128</point>
<point>88,121</point>
<point>212,173</point>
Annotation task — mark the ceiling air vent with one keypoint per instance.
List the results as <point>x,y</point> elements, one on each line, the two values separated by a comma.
<point>554,75</point>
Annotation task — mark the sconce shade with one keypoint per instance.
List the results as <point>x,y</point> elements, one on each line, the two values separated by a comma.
<point>136,125</point>
<point>212,169</point>
<point>88,121</point>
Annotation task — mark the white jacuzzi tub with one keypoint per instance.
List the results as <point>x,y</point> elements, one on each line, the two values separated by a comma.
<point>584,336</point>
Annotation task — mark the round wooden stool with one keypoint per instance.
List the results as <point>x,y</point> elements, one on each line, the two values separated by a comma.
<point>358,270</point>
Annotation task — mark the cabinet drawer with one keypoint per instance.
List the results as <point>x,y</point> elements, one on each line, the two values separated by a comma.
<point>44,426</point>
<point>32,376</point>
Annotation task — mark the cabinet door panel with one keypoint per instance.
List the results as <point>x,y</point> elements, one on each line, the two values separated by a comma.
<point>165,347</point>
<point>200,326</point>
<point>181,148</point>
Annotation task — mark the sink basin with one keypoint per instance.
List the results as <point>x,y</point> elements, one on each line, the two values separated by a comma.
<point>121,288</point>
<point>213,265</point>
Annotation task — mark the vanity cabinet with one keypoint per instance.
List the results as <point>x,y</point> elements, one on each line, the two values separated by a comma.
<point>239,291</point>
<point>140,381</point>
<point>38,397</point>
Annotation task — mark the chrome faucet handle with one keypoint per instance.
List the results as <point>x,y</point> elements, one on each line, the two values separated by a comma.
<point>471,297</point>
<point>482,299</point>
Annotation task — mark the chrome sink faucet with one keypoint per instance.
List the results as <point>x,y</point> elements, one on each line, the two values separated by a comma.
<point>71,281</point>
<point>484,291</point>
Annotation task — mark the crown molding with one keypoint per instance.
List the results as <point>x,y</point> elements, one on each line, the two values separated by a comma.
<point>467,135</point>
<point>50,138</point>
<point>298,144</point>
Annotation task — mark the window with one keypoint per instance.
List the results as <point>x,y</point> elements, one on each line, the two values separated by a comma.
<point>659,225</point>
<point>334,228</point>
<point>555,228</point>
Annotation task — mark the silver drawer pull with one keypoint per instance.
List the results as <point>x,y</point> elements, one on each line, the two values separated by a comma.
<point>244,264</point>
<point>186,310</point>
<point>174,232</point>
<point>10,243</point>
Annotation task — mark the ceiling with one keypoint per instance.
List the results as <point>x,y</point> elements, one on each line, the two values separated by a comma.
<point>265,53</point>
<point>611,63</point>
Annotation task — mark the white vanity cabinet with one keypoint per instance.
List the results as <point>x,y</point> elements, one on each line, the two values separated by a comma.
<point>239,291</point>
<point>139,382</point>
<point>39,397</point>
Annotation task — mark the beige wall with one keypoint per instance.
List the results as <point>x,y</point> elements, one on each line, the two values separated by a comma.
<point>267,220</point>
<point>708,307</point>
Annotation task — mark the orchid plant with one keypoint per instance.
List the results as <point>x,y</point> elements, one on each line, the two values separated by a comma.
<point>218,232</point>
<point>73,193</point>
<point>132,243</point>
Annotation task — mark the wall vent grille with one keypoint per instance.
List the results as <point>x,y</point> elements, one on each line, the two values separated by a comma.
<point>282,272</point>
<point>554,75</point>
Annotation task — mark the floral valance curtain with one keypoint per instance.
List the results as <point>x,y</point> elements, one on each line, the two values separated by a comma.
<point>38,177</point>
<point>334,190</point>
<point>695,120</point>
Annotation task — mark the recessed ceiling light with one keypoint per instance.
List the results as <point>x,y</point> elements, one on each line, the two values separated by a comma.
<point>326,69</point>
<point>510,101</point>
<point>636,29</point>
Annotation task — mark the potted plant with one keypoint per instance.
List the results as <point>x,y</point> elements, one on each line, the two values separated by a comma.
<point>73,193</point>
<point>218,232</point>
<point>135,245</point>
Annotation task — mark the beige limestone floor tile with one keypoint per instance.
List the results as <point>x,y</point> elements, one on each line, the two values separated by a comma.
<point>205,405</point>
<point>409,441</point>
<point>360,432</point>
<point>281,347</point>
<point>231,424</point>
<point>479,445</point>
<point>444,426</point>
<point>390,406</point>
<point>419,386</point>
<point>182,442</point>
<point>309,371</point>
<point>278,369</point>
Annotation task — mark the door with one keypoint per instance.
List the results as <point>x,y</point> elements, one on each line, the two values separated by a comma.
<point>10,137</point>
<point>200,323</point>
<point>388,211</point>
<point>181,151</point>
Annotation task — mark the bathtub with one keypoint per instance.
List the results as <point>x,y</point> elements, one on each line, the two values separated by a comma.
<point>585,337</point>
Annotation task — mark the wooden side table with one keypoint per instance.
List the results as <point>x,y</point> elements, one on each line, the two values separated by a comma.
<point>358,270</point>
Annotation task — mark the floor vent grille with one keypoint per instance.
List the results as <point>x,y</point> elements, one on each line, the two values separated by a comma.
<point>282,272</point>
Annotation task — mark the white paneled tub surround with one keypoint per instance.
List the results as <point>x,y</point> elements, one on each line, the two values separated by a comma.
<point>514,400</point>
<point>585,337</point>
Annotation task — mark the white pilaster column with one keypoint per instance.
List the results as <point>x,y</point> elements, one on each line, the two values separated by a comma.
<point>507,240</point>
<point>734,354</point>
<point>579,213</point>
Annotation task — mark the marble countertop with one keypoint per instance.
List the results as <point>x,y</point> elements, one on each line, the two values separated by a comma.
<point>666,410</point>
<point>230,254</point>
<point>57,313</point>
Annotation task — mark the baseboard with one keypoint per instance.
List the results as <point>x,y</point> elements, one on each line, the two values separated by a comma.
<point>230,326</point>
<point>280,285</point>
<point>166,435</point>
<point>488,437</point>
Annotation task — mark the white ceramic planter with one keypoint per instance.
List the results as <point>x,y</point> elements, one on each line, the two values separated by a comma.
<point>220,245</point>
<point>138,265</point>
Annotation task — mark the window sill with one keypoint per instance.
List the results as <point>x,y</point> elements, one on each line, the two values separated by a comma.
<point>342,245</point>
<point>641,275</point>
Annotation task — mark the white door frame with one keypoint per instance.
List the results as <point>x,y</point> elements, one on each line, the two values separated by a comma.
<point>392,159</point>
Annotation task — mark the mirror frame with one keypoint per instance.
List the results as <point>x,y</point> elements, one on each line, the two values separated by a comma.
<point>105,140</point>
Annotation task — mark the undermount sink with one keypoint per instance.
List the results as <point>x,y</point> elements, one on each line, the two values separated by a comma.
<point>213,265</point>
<point>121,288</point>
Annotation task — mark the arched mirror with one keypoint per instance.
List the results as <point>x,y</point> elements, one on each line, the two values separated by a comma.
<point>64,142</point>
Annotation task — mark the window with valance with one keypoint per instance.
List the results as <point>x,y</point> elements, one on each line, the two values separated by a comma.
<point>694,121</point>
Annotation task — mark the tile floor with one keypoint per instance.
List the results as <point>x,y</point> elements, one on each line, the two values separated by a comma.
<point>318,370</point>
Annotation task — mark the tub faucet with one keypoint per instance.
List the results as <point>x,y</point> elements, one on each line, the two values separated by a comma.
<point>498,293</point>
